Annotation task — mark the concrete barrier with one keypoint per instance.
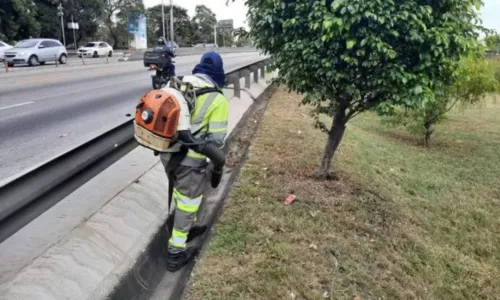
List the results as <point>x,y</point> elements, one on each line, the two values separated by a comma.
<point>118,253</point>
<point>139,54</point>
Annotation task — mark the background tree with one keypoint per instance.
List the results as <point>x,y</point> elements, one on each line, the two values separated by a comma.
<point>492,41</point>
<point>225,38</point>
<point>116,15</point>
<point>87,13</point>
<point>349,56</point>
<point>474,79</point>
<point>50,25</point>
<point>18,20</point>
<point>183,27</point>
<point>242,37</point>
<point>204,21</point>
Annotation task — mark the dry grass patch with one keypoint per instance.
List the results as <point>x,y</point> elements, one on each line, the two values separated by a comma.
<point>400,222</point>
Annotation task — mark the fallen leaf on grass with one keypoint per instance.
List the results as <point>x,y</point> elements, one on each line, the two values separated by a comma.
<point>326,295</point>
<point>313,246</point>
<point>357,298</point>
<point>314,213</point>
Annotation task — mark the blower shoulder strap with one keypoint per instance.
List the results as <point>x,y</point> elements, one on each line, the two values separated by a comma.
<point>207,90</point>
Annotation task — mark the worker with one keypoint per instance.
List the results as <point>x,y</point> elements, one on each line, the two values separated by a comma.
<point>188,171</point>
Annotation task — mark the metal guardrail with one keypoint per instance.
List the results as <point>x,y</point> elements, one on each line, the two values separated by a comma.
<point>28,196</point>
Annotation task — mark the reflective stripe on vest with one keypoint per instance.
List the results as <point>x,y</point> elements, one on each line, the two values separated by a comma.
<point>203,104</point>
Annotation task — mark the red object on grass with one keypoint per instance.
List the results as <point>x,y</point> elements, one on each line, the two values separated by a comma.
<point>289,199</point>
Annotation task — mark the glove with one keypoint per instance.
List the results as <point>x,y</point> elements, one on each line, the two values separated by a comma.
<point>216,177</point>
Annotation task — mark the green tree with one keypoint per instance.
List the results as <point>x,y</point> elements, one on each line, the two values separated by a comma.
<point>50,25</point>
<point>204,21</point>
<point>18,20</point>
<point>492,41</point>
<point>473,80</point>
<point>242,37</point>
<point>87,13</point>
<point>349,56</point>
<point>225,38</point>
<point>183,27</point>
<point>116,16</point>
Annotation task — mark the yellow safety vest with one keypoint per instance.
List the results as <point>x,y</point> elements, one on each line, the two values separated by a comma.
<point>211,115</point>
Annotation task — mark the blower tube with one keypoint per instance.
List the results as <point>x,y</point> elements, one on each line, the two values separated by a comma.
<point>210,150</point>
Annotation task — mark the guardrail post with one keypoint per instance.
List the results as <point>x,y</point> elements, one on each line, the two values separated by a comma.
<point>6,66</point>
<point>55,59</point>
<point>83,60</point>
<point>235,80</point>
<point>262,68</point>
<point>255,71</point>
<point>246,74</point>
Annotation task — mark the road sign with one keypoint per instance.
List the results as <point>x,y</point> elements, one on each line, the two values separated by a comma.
<point>225,25</point>
<point>73,25</point>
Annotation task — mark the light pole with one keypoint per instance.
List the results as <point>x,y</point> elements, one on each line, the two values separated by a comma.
<point>172,21</point>
<point>163,19</point>
<point>215,35</point>
<point>60,13</point>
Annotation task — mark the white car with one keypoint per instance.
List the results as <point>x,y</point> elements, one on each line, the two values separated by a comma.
<point>3,47</point>
<point>95,49</point>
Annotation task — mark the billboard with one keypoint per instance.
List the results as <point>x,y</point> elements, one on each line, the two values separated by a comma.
<point>136,25</point>
<point>225,25</point>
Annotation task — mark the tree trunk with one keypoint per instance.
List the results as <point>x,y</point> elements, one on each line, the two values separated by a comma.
<point>428,133</point>
<point>335,135</point>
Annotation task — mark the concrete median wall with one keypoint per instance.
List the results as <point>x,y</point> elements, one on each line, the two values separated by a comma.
<point>139,54</point>
<point>118,253</point>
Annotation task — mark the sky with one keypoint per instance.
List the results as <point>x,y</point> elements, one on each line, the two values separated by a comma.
<point>235,10</point>
<point>490,12</point>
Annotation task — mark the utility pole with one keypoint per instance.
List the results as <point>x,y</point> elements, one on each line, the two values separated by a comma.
<point>172,21</point>
<point>74,32</point>
<point>163,19</point>
<point>73,24</point>
<point>61,14</point>
<point>215,34</point>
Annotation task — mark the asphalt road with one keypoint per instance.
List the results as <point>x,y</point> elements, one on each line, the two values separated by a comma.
<point>48,111</point>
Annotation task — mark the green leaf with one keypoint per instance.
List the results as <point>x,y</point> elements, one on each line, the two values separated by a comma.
<point>350,43</point>
<point>418,90</point>
<point>293,21</point>
<point>336,4</point>
<point>327,24</point>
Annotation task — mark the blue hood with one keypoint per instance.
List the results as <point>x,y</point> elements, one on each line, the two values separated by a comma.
<point>211,65</point>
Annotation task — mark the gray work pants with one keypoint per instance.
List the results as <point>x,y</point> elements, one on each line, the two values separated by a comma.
<point>186,187</point>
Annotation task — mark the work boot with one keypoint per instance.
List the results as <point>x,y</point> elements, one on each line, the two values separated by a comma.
<point>195,232</point>
<point>178,258</point>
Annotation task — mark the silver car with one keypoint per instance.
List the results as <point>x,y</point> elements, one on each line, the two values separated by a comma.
<point>4,47</point>
<point>36,51</point>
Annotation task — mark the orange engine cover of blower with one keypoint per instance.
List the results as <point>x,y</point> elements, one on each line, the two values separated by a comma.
<point>156,120</point>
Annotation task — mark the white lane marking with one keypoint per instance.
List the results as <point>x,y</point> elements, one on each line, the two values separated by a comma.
<point>16,105</point>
